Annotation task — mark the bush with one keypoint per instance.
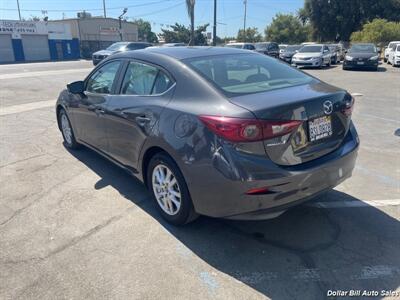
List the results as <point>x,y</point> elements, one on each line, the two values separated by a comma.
<point>379,32</point>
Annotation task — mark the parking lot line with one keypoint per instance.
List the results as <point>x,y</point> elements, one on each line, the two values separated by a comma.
<point>44,73</point>
<point>379,118</point>
<point>14,109</point>
<point>353,204</point>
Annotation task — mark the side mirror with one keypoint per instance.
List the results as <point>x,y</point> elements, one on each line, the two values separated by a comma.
<point>296,51</point>
<point>76,87</point>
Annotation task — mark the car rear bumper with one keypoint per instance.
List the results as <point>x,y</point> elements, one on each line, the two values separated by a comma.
<point>218,188</point>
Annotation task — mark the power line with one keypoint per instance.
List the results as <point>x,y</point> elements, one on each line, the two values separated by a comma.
<point>86,9</point>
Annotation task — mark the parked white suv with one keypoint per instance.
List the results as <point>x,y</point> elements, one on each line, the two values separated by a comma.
<point>390,47</point>
<point>394,56</point>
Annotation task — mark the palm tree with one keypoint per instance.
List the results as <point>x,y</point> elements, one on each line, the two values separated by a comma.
<point>190,11</point>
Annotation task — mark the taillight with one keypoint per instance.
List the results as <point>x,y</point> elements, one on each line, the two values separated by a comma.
<point>247,130</point>
<point>348,109</point>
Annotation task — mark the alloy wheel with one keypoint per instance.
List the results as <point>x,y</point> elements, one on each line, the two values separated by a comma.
<point>66,128</point>
<point>166,189</point>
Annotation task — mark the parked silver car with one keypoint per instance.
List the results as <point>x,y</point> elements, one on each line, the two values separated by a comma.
<point>315,55</point>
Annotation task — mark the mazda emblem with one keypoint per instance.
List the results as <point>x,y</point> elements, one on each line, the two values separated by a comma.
<point>328,107</point>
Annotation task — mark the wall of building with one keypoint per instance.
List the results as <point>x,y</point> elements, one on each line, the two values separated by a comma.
<point>36,41</point>
<point>96,33</point>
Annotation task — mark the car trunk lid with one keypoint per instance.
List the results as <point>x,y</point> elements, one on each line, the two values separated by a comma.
<point>319,106</point>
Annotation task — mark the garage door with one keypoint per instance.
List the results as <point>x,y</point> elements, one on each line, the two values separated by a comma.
<point>6,49</point>
<point>36,47</point>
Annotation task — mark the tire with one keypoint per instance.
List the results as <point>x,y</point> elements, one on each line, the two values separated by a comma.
<point>67,131</point>
<point>168,208</point>
<point>384,59</point>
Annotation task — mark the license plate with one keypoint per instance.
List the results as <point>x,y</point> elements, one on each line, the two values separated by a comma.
<point>360,63</point>
<point>320,128</point>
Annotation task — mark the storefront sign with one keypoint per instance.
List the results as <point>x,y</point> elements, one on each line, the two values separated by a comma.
<point>16,28</point>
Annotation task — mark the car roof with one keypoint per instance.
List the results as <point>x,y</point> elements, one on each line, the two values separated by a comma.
<point>183,52</point>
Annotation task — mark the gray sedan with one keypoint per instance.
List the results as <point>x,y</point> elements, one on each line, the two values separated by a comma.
<point>213,131</point>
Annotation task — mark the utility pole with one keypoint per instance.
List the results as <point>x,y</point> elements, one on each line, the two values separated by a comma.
<point>104,8</point>
<point>120,22</point>
<point>244,20</point>
<point>19,11</point>
<point>215,24</point>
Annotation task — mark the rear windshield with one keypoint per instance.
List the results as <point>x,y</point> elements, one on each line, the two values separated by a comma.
<point>362,48</point>
<point>306,49</point>
<point>242,74</point>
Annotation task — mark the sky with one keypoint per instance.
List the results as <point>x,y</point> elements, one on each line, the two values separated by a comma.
<point>160,13</point>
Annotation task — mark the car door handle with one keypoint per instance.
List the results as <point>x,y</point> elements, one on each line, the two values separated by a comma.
<point>142,120</point>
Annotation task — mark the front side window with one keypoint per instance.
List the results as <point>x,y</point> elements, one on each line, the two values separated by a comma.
<point>246,73</point>
<point>142,79</point>
<point>102,80</point>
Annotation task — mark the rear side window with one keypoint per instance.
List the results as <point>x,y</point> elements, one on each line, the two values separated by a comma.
<point>102,80</point>
<point>161,84</point>
<point>143,79</point>
<point>246,73</point>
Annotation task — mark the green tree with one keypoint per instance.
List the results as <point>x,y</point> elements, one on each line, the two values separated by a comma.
<point>379,31</point>
<point>181,34</point>
<point>144,31</point>
<point>303,16</point>
<point>336,19</point>
<point>252,35</point>
<point>286,28</point>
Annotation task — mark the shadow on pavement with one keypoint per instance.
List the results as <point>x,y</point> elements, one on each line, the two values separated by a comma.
<point>300,255</point>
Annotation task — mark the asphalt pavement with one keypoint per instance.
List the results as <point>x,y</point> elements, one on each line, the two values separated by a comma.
<point>74,226</point>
